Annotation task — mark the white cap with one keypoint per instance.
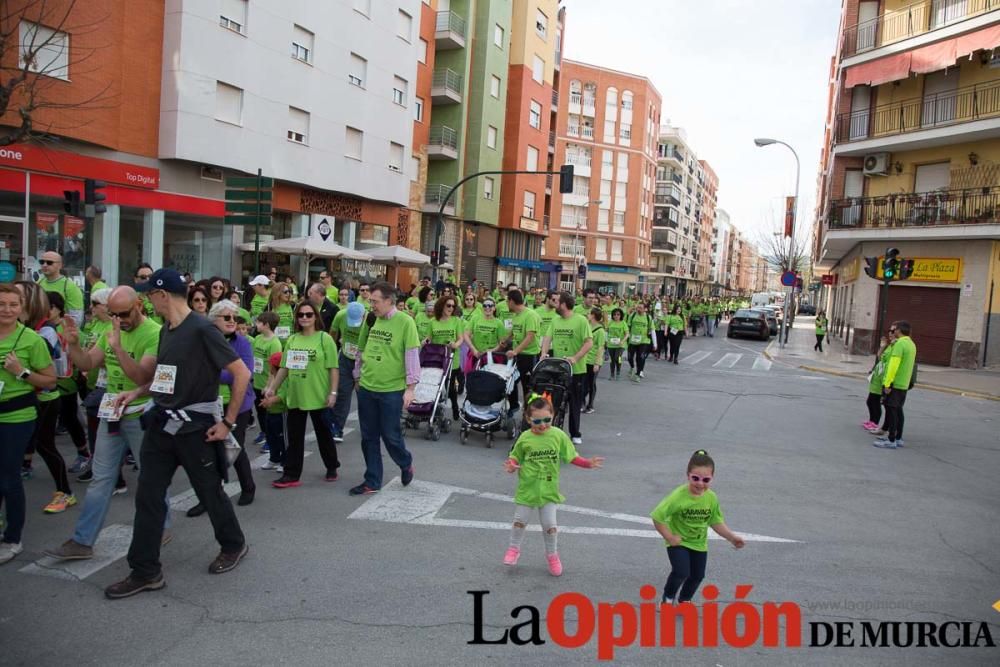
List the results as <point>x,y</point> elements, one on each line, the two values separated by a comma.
<point>260,280</point>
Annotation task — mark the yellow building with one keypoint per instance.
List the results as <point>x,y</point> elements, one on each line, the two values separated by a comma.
<point>912,161</point>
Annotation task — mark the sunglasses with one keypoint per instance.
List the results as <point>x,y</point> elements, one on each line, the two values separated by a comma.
<point>199,300</point>
<point>541,420</point>
<point>365,289</point>
<point>144,276</point>
<point>308,316</point>
<point>286,291</point>
<point>227,318</point>
<point>48,261</point>
<point>489,305</point>
<point>696,478</point>
<point>449,305</point>
<point>120,316</point>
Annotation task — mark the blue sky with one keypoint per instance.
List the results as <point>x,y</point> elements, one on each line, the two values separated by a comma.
<point>728,71</point>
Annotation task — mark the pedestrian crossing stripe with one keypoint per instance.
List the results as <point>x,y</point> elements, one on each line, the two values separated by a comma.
<point>726,361</point>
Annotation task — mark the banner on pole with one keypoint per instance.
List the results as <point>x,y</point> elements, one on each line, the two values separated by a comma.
<point>789,216</point>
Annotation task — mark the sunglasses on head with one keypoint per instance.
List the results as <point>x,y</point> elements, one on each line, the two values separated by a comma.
<point>307,315</point>
<point>48,261</point>
<point>227,318</point>
<point>541,420</point>
<point>696,478</point>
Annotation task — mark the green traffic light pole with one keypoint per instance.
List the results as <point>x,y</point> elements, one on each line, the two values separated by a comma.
<point>888,275</point>
<point>439,229</point>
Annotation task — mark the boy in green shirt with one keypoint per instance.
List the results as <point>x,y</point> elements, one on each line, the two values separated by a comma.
<point>569,337</point>
<point>265,344</point>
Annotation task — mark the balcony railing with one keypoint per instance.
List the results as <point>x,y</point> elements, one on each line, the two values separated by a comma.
<point>587,132</point>
<point>909,21</point>
<point>582,160</point>
<point>676,178</point>
<point>939,110</point>
<point>552,139</point>
<point>448,79</point>
<point>555,98</point>
<point>919,209</point>
<point>667,199</point>
<point>450,22</point>
<point>435,194</point>
<point>444,136</point>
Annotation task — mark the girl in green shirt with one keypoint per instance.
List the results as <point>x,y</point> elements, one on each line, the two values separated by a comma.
<point>875,378</point>
<point>617,339</point>
<point>448,329</point>
<point>536,457</point>
<point>282,304</point>
<point>821,323</point>
<point>594,357</point>
<point>674,327</point>
<point>683,519</point>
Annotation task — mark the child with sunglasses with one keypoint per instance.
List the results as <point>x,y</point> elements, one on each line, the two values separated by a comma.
<point>536,457</point>
<point>683,519</point>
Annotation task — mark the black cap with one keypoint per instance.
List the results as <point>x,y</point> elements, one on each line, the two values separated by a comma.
<point>168,280</point>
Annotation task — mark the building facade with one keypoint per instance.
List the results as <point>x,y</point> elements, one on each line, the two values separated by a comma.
<point>607,129</point>
<point>912,161</point>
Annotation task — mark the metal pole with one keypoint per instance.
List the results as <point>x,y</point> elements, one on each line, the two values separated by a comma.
<point>256,230</point>
<point>791,248</point>
<point>986,338</point>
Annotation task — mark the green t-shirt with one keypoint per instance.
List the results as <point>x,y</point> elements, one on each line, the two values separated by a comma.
<point>286,320</point>
<point>347,337</point>
<point>524,322</point>
<point>446,332</point>
<point>309,360</point>
<point>333,294</point>
<point>486,333</point>
<point>89,337</point>
<point>33,353</point>
<point>545,316</point>
<point>568,336</point>
<point>412,304</point>
<point>383,352</point>
<point>140,342</point>
<point>72,294</point>
<point>617,337</point>
<point>423,322</point>
<point>821,323</point>
<point>503,310</point>
<point>689,516</point>
<point>639,328</point>
<point>878,373</point>
<point>674,322</point>
<point>540,458</point>
<point>258,305</point>
<point>600,337</point>
<point>903,349</point>
<point>263,348</point>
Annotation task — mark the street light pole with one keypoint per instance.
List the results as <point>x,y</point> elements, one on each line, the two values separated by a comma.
<point>791,238</point>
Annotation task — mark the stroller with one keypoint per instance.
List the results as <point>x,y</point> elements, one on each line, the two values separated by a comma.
<point>552,378</point>
<point>431,393</point>
<point>486,408</point>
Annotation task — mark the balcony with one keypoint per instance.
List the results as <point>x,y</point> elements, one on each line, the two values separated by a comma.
<point>676,178</point>
<point>446,87</point>
<point>435,194</point>
<point>546,221</point>
<point>449,31</point>
<point>552,142</point>
<point>555,100</point>
<point>912,20</point>
<point>443,143</point>
<point>548,184</point>
<point>665,200</point>
<point>926,209</point>
<point>969,113</point>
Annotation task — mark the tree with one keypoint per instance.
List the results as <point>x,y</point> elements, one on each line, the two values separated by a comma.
<point>777,252</point>
<point>35,58</point>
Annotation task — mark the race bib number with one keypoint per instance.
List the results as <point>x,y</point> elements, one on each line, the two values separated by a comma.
<point>102,378</point>
<point>615,340</point>
<point>673,332</point>
<point>508,324</point>
<point>636,339</point>
<point>297,360</point>
<point>1,387</point>
<point>107,408</point>
<point>164,379</point>
<point>350,350</point>
<point>283,332</point>
<point>258,365</point>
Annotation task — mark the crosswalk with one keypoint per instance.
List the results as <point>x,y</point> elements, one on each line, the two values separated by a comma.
<point>721,360</point>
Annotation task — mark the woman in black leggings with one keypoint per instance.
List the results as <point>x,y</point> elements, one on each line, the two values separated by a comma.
<point>640,331</point>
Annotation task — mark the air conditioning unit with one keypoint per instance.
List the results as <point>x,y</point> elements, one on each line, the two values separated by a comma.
<point>876,164</point>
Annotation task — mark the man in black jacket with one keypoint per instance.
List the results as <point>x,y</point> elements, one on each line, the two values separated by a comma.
<point>327,309</point>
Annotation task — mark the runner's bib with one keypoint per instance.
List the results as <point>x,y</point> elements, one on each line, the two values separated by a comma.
<point>297,360</point>
<point>258,365</point>
<point>350,350</point>
<point>283,332</point>
<point>615,340</point>
<point>673,332</point>
<point>107,408</point>
<point>102,378</point>
<point>164,379</point>
<point>636,339</point>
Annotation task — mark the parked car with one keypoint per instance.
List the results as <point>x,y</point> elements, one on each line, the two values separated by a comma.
<point>771,314</point>
<point>749,322</point>
<point>807,309</point>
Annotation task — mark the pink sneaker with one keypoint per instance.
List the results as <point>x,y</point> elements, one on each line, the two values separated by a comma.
<point>510,558</point>
<point>555,565</point>
<point>869,425</point>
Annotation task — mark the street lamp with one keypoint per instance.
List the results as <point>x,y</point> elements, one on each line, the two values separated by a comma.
<point>760,143</point>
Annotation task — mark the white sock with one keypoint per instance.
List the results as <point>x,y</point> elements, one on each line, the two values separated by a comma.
<point>550,542</point>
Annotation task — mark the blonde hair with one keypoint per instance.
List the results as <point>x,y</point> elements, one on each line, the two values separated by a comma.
<point>35,303</point>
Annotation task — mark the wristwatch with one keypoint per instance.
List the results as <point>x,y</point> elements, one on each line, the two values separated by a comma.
<point>24,374</point>
<point>228,424</point>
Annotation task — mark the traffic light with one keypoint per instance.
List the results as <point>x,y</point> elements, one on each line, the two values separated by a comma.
<point>434,258</point>
<point>93,197</point>
<point>871,267</point>
<point>71,205</point>
<point>443,254</point>
<point>566,179</point>
<point>905,269</point>
<point>890,266</point>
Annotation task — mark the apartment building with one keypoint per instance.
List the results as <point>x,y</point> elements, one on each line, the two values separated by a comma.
<point>912,161</point>
<point>608,129</point>
<point>532,109</point>
<point>704,217</point>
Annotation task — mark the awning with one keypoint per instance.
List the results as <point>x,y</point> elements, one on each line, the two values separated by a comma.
<point>933,57</point>
<point>930,58</point>
<point>876,72</point>
<point>987,38</point>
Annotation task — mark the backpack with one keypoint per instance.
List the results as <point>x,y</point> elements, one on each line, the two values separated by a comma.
<point>58,349</point>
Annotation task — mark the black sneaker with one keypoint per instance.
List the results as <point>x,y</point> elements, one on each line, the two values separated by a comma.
<point>129,586</point>
<point>86,477</point>
<point>362,490</point>
<point>197,510</point>
<point>225,562</point>
<point>407,475</point>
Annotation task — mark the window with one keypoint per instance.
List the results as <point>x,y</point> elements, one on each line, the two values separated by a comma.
<point>487,187</point>
<point>396,157</point>
<point>529,205</point>
<point>298,125</point>
<point>302,44</point>
<point>619,223</point>
<point>418,110</point>
<point>358,71</point>
<point>405,26</point>
<point>233,15</point>
<point>399,88</point>
<point>627,100</point>
<point>612,101</point>
<point>607,158</point>
<point>498,35</point>
<point>228,103</point>
<point>601,252</point>
<point>535,115</point>
<point>44,50</point>
<point>609,131</point>
<point>616,250</point>
<point>625,131</point>
<point>354,143</point>
<point>602,219</point>
<point>538,70</point>
<point>491,137</point>
<point>422,51</point>
<point>532,164</point>
<point>495,86</point>
<point>541,23</point>
<point>363,6</point>
<point>605,189</point>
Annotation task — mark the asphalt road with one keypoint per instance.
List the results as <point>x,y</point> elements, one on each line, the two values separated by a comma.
<point>863,534</point>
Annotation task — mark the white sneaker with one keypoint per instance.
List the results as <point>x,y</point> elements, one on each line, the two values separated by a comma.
<point>271,465</point>
<point>577,441</point>
<point>8,550</point>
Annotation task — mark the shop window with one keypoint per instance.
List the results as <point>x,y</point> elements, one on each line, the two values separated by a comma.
<point>131,224</point>
<point>50,229</point>
<point>196,244</point>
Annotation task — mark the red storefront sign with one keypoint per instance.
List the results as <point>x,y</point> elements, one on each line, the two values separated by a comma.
<point>45,160</point>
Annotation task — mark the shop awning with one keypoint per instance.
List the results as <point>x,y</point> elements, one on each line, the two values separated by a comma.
<point>930,58</point>
<point>876,72</point>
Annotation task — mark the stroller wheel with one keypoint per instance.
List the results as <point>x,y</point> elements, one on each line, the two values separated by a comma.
<point>446,426</point>
<point>433,433</point>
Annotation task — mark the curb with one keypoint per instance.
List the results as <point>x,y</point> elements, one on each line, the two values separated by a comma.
<point>921,385</point>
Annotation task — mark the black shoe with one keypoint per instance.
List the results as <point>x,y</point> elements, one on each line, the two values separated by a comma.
<point>197,510</point>
<point>362,490</point>
<point>129,586</point>
<point>86,477</point>
<point>407,475</point>
<point>246,497</point>
<point>225,562</point>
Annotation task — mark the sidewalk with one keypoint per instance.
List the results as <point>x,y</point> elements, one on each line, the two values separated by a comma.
<point>835,360</point>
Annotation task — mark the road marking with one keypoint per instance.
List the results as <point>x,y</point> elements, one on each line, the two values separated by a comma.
<point>112,544</point>
<point>185,500</point>
<point>728,360</point>
<point>696,357</point>
<point>420,502</point>
<point>310,437</point>
<point>761,363</point>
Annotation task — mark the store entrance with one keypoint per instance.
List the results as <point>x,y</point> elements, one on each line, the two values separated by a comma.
<point>11,250</point>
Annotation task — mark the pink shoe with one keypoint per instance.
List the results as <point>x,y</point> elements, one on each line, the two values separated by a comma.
<point>510,558</point>
<point>555,565</point>
<point>869,426</point>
